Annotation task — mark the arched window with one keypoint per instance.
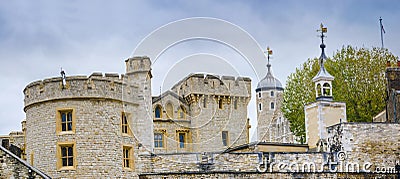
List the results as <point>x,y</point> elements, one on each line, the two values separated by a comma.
<point>181,113</point>
<point>157,112</point>
<point>170,111</point>
<point>272,93</point>
<point>326,89</point>
<point>319,90</point>
<point>272,105</point>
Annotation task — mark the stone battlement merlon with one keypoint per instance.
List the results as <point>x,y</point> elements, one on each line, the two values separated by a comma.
<point>199,83</point>
<point>96,85</point>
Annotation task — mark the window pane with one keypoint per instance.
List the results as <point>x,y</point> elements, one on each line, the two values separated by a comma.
<point>63,151</point>
<point>70,151</point>
<point>69,126</point>
<point>70,161</point>
<point>63,117</point>
<point>158,112</point>
<point>182,140</point>
<point>64,161</point>
<point>64,127</point>
<point>69,116</point>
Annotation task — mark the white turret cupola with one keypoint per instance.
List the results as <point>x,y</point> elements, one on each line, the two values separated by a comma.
<point>323,80</point>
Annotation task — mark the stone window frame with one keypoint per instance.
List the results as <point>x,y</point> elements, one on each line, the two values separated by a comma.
<point>272,93</point>
<point>60,145</point>
<point>125,128</point>
<point>127,157</point>
<point>59,123</point>
<point>225,138</point>
<point>163,141</point>
<point>272,106</point>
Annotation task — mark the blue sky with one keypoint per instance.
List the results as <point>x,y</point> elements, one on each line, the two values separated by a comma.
<point>39,37</point>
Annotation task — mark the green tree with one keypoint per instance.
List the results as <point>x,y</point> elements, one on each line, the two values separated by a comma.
<point>359,82</point>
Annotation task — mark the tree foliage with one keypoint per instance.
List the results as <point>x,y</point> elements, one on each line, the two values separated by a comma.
<point>359,82</point>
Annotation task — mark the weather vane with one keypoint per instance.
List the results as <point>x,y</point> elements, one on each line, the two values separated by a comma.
<point>322,30</point>
<point>268,52</point>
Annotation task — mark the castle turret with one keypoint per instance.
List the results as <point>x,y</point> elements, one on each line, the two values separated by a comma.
<point>324,111</point>
<point>272,126</point>
<point>138,79</point>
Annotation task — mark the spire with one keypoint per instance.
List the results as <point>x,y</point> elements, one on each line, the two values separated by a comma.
<point>322,71</point>
<point>323,80</point>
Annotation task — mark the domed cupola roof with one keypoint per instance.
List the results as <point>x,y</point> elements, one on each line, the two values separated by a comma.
<point>269,81</point>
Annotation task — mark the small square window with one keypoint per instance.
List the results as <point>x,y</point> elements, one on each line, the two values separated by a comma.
<point>66,156</point>
<point>65,121</point>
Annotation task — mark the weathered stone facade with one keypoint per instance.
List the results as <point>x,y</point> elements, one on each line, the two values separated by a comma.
<point>11,166</point>
<point>203,107</point>
<point>272,126</point>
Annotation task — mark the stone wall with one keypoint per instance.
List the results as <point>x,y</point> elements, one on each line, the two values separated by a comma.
<point>367,143</point>
<point>97,102</point>
<point>13,167</point>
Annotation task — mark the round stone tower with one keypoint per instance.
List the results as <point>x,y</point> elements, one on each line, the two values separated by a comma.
<point>82,126</point>
<point>269,93</point>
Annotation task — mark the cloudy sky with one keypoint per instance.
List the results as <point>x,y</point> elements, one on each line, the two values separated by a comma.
<point>37,38</point>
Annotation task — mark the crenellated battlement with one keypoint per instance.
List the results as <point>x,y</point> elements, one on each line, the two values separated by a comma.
<point>213,84</point>
<point>97,85</point>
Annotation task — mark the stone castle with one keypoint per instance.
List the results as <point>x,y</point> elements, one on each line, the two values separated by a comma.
<point>110,126</point>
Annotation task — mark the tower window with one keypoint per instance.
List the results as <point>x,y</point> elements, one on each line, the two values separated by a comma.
<point>272,93</point>
<point>127,157</point>
<point>157,112</point>
<point>259,94</point>
<point>319,90</point>
<point>272,105</point>
<point>182,140</point>
<point>220,104</point>
<point>124,123</point>
<point>158,140</point>
<point>66,156</point>
<point>259,107</point>
<point>326,89</point>
<point>225,138</point>
<point>65,121</point>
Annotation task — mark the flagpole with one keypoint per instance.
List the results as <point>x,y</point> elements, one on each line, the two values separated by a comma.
<point>380,22</point>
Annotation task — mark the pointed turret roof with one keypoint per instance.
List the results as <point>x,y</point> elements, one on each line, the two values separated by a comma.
<point>322,74</point>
